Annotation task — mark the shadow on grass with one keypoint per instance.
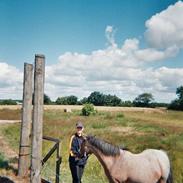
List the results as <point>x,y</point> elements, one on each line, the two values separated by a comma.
<point>4,164</point>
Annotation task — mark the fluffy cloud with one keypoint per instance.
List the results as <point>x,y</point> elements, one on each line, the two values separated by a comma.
<point>109,33</point>
<point>113,70</point>
<point>165,29</point>
<point>122,70</point>
<point>10,81</point>
<point>151,54</point>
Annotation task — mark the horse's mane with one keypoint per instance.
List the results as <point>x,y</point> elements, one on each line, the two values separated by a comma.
<point>105,147</point>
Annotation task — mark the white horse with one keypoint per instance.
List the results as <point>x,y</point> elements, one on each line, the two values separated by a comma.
<point>122,166</point>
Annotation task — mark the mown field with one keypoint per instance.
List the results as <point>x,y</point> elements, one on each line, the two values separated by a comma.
<point>136,130</point>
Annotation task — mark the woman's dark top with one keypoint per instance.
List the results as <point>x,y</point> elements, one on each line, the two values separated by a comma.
<point>75,155</point>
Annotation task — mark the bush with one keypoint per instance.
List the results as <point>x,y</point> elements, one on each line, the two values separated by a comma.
<point>88,109</point>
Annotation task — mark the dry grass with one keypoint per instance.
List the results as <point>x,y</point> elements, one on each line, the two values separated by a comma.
<point>10,114</point>
<point>98,108</point>
<point>135,129</point>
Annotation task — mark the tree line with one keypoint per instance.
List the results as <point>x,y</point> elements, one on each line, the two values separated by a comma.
<point>99,99</point>
<point>143,100</point>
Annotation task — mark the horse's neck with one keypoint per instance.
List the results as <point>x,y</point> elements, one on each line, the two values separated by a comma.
<point>106,161</point>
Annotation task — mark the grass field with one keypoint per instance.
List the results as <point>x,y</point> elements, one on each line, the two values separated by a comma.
<point>136,130</point>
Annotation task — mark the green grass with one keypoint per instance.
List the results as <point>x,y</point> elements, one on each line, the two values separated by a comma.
<point>135,130</point>
<point>99,125</point>
<point>12,134</point>
<point>3,162</point>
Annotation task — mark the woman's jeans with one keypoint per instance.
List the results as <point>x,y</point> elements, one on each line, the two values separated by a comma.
<point>77,172</point>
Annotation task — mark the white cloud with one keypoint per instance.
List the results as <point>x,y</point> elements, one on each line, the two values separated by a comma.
<point>10,81</point>
<point>151,54</point>
<point>122,70</point>
<point>165,29</point>
<point>116,71</point>
<point>170,77</point>
<point>110,33</point>
<point>130,44</point>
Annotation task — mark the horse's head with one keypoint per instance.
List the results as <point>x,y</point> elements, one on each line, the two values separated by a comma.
<point>85,147</point>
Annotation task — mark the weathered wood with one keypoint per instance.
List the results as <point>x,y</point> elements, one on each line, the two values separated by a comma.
<point>24,149</point>
<point>37,123</point>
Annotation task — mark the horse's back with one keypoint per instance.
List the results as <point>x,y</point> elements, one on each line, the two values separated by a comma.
<point>162,158</point>
<point>155,164</point>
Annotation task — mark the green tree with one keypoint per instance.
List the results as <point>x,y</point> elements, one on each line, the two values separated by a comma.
<point>143,100</point>
<point>61,101</point>
<point>100,99</point>
<point>112,100</point>
<point>69,100</point>
<point>179,92</point>
<point>47,99</point>
<point>177,104</point>
<point>72,100</point>
<point>8,102</point>
<point>127,103</point>
<point>174,105</point>
<point>96,98</point>
<point>84,100</point>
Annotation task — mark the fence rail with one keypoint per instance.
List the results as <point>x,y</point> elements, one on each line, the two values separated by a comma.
<point>56,147</point>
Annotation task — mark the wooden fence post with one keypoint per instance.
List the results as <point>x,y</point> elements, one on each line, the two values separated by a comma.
<point>37,123</point>
<point>24,149</point>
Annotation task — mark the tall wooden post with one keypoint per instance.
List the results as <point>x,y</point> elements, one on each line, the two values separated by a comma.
<point>37,123</point>
<point>24,149</point>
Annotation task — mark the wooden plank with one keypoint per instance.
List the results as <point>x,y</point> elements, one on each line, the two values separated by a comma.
<point>37,124</point>
<point>51,139</point>
<point>24,149</point>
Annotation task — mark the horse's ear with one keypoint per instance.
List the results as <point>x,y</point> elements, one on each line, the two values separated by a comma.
<point>90,137</point>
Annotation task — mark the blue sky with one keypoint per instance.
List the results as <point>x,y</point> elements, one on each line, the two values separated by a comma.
<point>56,27</point>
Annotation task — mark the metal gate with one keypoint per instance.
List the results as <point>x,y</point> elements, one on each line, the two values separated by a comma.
<point>56,147</point>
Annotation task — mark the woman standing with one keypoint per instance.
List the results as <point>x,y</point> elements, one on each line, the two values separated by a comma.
<point>76,162</point>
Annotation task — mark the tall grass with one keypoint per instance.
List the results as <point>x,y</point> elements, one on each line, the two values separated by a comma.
<point>135,130</point>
